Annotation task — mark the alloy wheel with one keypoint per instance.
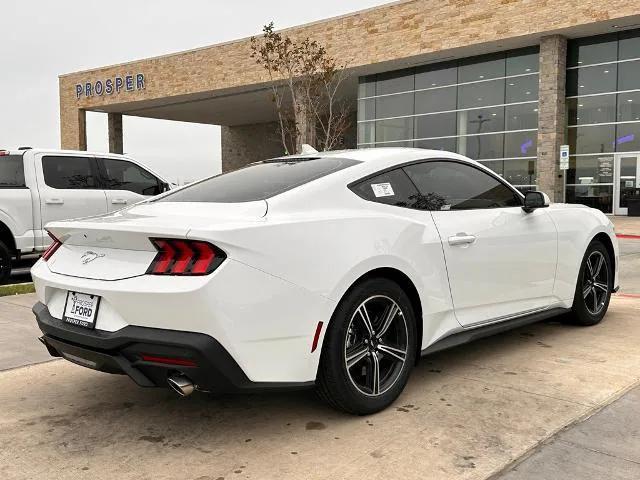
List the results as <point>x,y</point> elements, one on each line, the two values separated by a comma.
<point>376,345</point>
<point>595,283</point>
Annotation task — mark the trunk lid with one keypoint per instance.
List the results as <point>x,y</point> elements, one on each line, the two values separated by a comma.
<point>117,245</point>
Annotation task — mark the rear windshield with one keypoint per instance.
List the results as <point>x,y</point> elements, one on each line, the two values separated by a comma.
<point>11,171</point>
<point>259,181</point>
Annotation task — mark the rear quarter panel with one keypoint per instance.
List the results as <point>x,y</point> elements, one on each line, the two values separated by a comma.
<point>326,250</point>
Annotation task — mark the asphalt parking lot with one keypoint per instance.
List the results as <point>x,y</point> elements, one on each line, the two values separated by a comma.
<point>472,412</point>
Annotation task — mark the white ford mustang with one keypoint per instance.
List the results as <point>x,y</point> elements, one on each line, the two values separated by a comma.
<point>335,270</point>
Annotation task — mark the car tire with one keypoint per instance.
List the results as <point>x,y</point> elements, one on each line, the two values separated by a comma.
<point>594,286</point>
<point>5,263</point>
<point>353,351</point>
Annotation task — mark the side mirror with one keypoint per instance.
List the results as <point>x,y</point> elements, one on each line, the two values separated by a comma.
<point>533,200</point>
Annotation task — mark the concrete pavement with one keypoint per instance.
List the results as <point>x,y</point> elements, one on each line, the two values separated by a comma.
<point>607,445</point>
<point>19,344</point>
<point>466,413</point>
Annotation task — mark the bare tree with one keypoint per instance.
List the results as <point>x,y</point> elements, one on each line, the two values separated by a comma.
<point>305,89</point>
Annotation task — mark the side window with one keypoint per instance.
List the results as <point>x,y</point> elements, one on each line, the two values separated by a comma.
<point>390,188</point>
<point>448,185</point>
<point>123,175</point>
<point>12,172</point>
<point>68,172</point>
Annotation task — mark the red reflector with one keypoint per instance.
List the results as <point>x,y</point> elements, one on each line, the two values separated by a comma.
<point>316,337</point>
<point>168,361</point>
<point>184,257</point>
<point>3,153</point>
<point>55,245</point>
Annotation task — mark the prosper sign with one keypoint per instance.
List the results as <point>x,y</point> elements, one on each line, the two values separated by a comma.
<point>110,86</point>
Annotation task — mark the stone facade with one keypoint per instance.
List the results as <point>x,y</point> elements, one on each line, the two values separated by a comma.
<point>383,34</point>
<point>249,143</point>
<point>551,115</point>
<point>114,122</point>
<point>382,38</point>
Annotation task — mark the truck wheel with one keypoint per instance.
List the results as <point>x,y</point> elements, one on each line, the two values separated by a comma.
<point>5,263</point>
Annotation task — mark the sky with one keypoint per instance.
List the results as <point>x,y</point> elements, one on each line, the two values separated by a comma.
<point>41,39</point>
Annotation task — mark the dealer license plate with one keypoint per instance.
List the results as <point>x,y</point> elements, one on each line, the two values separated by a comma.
<point>81,309</point>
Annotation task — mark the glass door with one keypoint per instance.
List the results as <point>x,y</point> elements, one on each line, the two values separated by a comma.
<point>627,180</point>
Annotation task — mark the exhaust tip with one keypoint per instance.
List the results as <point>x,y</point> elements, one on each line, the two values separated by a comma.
<point>181,385</point>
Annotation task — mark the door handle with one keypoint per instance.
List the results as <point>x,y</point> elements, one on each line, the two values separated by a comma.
<point>54,201</point>
<point>119,201</point>
<point>461,239</point>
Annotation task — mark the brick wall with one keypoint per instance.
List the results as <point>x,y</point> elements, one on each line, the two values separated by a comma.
<point>390,32</point>
<point>551,115</point>
<point>249,143</point>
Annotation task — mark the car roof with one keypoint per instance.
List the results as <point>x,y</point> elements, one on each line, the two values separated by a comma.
<point>383,157</point>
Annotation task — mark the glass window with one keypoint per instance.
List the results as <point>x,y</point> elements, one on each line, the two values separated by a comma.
<point>430,76</point>
<point>11,171</point>
<point>628,137</point>
<point>440,125</point>
<point>587,110</point>
<point>523,61</point>
<point>598,139</point>
<point>366,132</point>
<point>438,100</point>
<point>586,51</point>
<point>481,68</point>
<point>590,169</point>
<point>69,172</point>
<point>480,147</point>
<point>481,120</point>
<point>629,75</point>
<point>628,107</point>
<point>394,105</point>
<point>629,46</point>
<point>393,82</point>
<point>367,109</point>
<point>595,196</point>
<point>522,89</point>
<point>259,181</point>
<point>123,175</point>
<point>394,129</point>
<point>367,86</point>
<point>496,166</point>
<point>521,144</point>
<point>456,186</point>
<point>405,144</point>
<point>597,79</point>
<point>520,172</point>
<point>390,188</point>
<point>446,144</point>
<point>481,94</point>
<point>521,117</point>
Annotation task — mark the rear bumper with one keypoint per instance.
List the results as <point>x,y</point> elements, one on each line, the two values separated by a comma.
<point>213,368</point>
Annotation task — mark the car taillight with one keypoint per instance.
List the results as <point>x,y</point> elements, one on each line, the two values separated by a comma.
<point>184,257</point>
<point>55,245</point>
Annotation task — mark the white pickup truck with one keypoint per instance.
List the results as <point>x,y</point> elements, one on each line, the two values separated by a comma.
<point>40,186</point>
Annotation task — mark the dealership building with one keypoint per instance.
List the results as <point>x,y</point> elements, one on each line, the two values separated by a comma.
<point>510,83</point>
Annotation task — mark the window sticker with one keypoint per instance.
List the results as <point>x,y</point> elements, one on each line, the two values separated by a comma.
<point>382,189</point>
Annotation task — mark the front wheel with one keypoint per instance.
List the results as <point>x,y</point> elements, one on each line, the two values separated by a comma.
<point>595,283</point>
<point>369,349</point>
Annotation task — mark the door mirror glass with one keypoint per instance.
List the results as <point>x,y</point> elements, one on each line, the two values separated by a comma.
<point>533,200</point>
